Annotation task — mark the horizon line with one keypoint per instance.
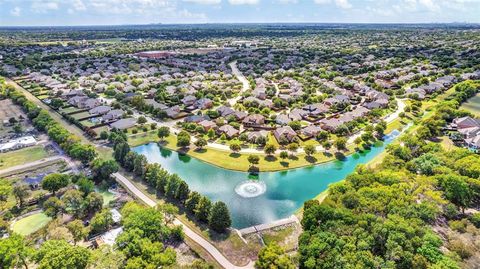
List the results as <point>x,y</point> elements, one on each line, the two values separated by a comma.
<point>240,23</point>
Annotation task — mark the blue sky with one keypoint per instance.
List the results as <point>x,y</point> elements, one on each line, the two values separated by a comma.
<point>107,12</point>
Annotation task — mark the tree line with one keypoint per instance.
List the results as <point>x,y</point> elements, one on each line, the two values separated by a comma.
<point>216,215</point>
<point>383,217</point>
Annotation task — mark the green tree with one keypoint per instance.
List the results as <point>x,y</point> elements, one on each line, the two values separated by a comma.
<point>140,165</point>
<point>14,252</point>
<point>105,257</point>
<point>78,230</point>
<point>58,254</point>
<point>219,218</point>
<point>341,143</point>
<point>93,202</point>
<point>21,192</point>
<point>456,190</point>
<point>101,221</point>
<point>85,185</point>
<point>269,149</point>
<point>235,147</point>
<point>274,257</point>
<point>53,206</point>
<point>309,150</point>
<point>163,132</point>
<point>182,191</point>
<point>253,159</point>
<point>141,120</point>
<point>200,143</point>
<point>73,200</point>
<point>120,152</point>
<point>5,189</point>
<point>183,139</point>
<point>54,182</point>
<point>192,201</point>
<point>149,221</point>
<point>202,210</point>
<point>103,169</point>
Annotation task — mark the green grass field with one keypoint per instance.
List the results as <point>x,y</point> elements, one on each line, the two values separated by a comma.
<point>473,105</point>
<point>31,224</point>
<point>22,156</point>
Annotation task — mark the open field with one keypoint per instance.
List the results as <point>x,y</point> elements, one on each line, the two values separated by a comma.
<point>30,224</point>
<point>22,156</point>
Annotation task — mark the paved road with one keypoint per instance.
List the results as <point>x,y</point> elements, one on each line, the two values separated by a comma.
<point>241,78</point>
<point>211,249</point>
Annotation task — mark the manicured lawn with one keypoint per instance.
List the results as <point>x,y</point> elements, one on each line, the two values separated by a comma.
<point>69,109</point>
<point>81,115</point>
<point>397,124</point>
<point>473,105</point>
<point>143,138</point>
<point>31,224</point>
<point>239,162</point>
<point>22,156</point>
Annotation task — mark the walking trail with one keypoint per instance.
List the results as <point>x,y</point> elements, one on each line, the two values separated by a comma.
<point>211,249</point>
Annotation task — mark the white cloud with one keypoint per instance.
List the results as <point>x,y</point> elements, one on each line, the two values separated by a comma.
<point>339,3</point>
<point>79,5</point>
<point>40,6</point>
<point>287,1</point>
<point>243,2</point>
<point>204,2</point>
<point>16,11</point>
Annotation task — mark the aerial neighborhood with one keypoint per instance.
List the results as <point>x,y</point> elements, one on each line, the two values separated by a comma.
<point>240,146</point>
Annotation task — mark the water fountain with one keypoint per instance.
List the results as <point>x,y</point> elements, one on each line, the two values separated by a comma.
<point>251,188</point>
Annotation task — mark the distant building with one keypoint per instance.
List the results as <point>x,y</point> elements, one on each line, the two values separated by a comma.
<point>155,54</point>
<point>22,142</point>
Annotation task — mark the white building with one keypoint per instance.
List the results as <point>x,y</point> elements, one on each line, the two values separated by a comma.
<point>22,142</point>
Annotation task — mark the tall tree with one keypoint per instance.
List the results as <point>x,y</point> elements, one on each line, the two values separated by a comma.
<point>54,182</point>
<point>219,218</point>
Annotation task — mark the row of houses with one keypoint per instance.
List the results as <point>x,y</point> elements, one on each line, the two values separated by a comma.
<point>469,130</point>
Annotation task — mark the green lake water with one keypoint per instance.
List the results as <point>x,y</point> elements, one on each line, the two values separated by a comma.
<point>280,194</point>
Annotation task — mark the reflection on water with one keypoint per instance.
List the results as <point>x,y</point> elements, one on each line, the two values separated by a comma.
<point>280,194</point>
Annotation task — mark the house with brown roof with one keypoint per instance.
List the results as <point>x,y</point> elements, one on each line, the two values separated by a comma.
<point>208,124</point>
<point>253,120</point>
<point>228,130</point>
<point>284,133</point>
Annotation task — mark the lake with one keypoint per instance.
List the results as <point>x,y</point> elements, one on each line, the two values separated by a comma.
<point>273,196</point>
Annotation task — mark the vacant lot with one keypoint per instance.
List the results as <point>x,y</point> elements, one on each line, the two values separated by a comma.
<point>22,156</point>
<point>473,105</point>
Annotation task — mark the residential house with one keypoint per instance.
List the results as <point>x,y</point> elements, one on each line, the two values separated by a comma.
<point>100,110</point>
<point>204,103</point>
<point>113,115</point>
<point>311,131</point>
<point>228,130</point>
<point>284,133</point>
<point>254,120</point>
<point>208,124</point>
<point>123,124</point>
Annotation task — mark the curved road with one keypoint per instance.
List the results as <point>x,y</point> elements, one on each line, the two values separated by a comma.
<point>211,249</point>
<point>242,79</point>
